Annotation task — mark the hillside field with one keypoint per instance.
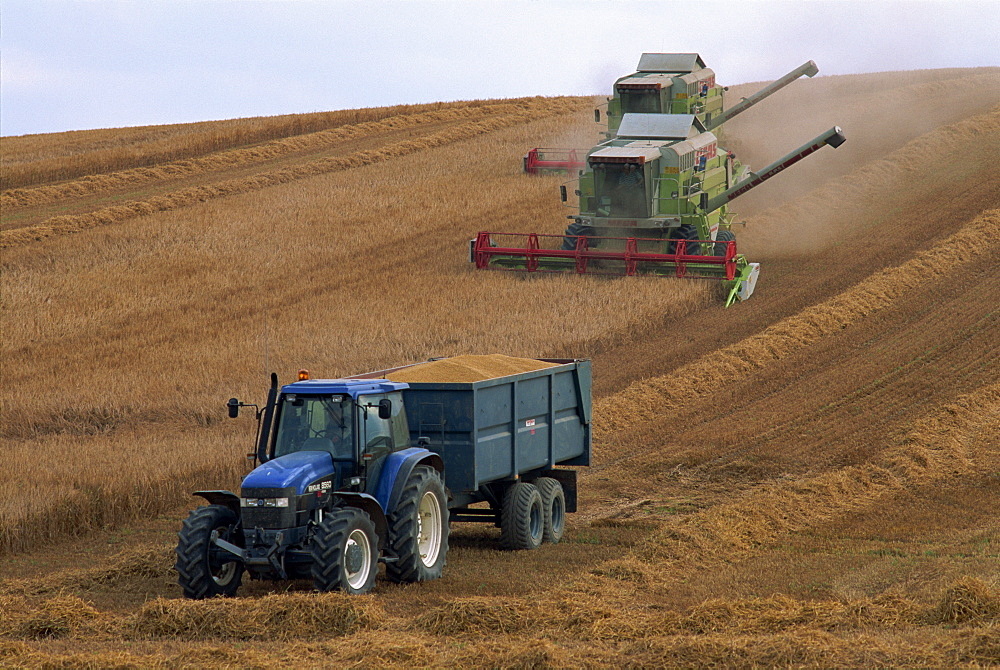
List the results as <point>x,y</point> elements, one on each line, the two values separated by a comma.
<point>810,478</point>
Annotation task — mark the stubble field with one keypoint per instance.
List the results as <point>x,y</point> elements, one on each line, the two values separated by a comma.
<point>809,478</point>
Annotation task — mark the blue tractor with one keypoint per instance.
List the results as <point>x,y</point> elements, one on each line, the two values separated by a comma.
<point>352,475</point>
<point>331,490</point>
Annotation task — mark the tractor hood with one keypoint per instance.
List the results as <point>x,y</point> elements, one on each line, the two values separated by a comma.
<point>296,470</point>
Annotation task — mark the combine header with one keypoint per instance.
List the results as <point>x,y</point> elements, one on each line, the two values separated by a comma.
<point>654,200</point>
<point>554,161</point>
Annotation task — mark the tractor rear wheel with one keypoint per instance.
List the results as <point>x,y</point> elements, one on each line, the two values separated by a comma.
<point>522,523</point>
<point>345,552</point>
<point>418,528</point>
<point>203,570</point>
<point>553,508</point>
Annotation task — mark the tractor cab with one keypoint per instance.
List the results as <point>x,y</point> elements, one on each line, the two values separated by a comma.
<point>353,423</point>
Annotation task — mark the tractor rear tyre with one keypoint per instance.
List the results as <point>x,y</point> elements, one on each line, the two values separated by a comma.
<point>345,552</point>
<point>418,528</point>
<point>522,523</point>
<point>553,508</point>
<point>202,568</point>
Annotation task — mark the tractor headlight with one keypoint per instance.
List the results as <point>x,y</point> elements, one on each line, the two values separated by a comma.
<point>264,502</point>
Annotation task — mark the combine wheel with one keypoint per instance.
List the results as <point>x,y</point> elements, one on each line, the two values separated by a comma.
<point>345,552</point>
<point>723,236</point>
<point>203,570</point>
<point>553,508</point>
<point>418,528</point>
<point>522,523</point>
<point>574,229</point>
<point>685,232</point>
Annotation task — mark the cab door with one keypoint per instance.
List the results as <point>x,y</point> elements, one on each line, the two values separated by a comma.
<point>380,437</point>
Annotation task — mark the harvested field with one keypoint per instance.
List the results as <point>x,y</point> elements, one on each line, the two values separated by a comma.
<point>809,478</point>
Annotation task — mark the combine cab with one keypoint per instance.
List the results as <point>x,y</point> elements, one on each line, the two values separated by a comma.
<point>654,200</point>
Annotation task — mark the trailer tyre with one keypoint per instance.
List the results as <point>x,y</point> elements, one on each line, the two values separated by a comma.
<point>553,508</point>
<point>418,528</point>
<point>202,568</point>
<point>345,552</point>
<point>522,522</point>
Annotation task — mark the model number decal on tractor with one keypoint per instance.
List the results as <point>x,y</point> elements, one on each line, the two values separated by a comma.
<point>321,486</point>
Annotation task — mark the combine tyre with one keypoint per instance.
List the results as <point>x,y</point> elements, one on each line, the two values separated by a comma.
<point>202,569</point>
<point>553,508</point>
<point>418,528</point>
<point>522,523</point>
<point>345,552</point>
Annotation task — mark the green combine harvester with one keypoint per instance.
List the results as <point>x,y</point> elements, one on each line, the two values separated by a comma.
<point>654,199</point>
<point>676,83</point>
<point>681,84</point>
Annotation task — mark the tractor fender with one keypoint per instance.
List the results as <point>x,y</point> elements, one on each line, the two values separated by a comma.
<point>396,471</point>
<point>369,506</point>
<point>224,498</point>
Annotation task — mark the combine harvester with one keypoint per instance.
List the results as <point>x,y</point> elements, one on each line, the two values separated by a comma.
<point>654,199</point>
<point>662,84</point>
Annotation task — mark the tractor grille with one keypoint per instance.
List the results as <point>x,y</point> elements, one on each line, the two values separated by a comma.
<point>258,516</point>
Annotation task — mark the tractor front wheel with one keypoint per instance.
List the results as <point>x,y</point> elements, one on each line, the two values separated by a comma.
<point>345,552</point>
<point>202,568</point>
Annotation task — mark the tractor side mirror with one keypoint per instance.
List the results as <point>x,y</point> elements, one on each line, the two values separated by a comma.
<point>597,116</point>
<point>234,408</point>
<point>384,408</point>
<point>562,193</point>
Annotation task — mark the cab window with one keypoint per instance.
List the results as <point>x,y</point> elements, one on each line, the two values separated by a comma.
<point>384,435</point>
<point>315,423</point>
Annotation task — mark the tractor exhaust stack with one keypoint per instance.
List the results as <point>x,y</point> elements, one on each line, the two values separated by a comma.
<point>808,68</point>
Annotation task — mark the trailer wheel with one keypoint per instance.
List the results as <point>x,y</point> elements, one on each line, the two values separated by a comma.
<point>553,508</point>
<point>522,523</point>
<point>418,528</point>
<point>202,569</point>
<point>345,552</point>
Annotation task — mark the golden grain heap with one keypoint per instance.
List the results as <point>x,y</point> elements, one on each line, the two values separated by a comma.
<point>467,369</point>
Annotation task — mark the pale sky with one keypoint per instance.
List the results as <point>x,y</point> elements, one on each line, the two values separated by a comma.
<point>72,65</point>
